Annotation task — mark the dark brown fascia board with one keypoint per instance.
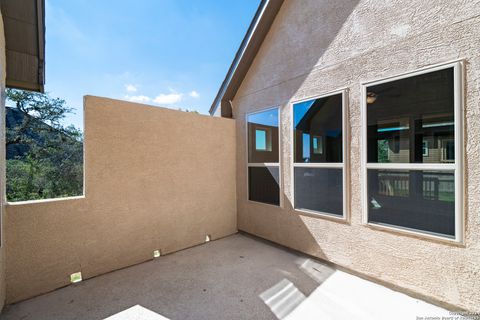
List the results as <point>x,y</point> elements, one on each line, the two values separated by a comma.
<point>251,43</point>
<point>24,71</point>
<point>41,44</point>
<point>21,85</point>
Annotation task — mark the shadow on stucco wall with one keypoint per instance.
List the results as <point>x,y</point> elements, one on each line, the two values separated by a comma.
<point>272,81</point>
<point>316,47</point>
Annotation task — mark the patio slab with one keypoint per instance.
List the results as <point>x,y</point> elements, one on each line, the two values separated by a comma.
<point>238,277</point>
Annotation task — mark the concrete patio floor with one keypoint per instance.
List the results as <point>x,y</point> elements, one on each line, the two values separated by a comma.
<point>238,277</point>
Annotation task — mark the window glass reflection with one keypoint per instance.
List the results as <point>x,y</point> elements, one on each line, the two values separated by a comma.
<point>420,200</point>
<point>319,189</point>
<point>264,184</point>
<point>412,120</point>
<point>263,137</point>
<point>318,130</point>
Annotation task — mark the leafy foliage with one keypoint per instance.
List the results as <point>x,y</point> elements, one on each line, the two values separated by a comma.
<point>189,110</point>
<point>383,151</point>
<point>44,158</point>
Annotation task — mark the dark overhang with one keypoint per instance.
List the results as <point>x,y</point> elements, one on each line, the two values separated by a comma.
<point>258,29</point>
<point>24,23</point>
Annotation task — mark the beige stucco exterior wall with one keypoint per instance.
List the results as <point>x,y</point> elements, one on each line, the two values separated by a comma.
<point>315,47</point>
<point>155,179</point>
<point>2,161</point>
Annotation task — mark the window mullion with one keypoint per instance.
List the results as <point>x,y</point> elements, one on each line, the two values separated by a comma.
<point>326,165</point>
<point>266,164</point>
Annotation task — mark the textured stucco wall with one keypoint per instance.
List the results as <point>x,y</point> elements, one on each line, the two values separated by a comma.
<point>2,160</point>
<point>315,47</point>
<point>155,179</point>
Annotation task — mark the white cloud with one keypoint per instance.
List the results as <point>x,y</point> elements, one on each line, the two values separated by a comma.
<point>139,99</point>
<point>194,94</point>
<point>162,99</point>
<point>130,88</point>
<point>169,98</point>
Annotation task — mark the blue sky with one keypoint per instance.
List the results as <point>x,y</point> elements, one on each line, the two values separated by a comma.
<point>267,117</point>
<point>171,53</point>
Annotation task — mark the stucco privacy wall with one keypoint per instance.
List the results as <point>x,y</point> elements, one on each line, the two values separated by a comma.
<point>155,179</point>
<point>2,160</point>
<point>315,47</point>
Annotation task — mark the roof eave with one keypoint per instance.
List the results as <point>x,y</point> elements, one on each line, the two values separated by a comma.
<point>24,25</point>
<point>251,43</point>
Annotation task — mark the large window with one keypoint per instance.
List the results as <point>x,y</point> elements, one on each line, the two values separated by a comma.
<point>413,152</point>
<point>263,157</point>
<point>318,169</point>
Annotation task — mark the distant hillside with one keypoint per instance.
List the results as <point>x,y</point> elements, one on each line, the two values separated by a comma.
<point>15,118</point>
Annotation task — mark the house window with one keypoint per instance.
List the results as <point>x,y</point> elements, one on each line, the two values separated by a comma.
<point>263,157</point>
<point>413,153</point>
<point>260,140</point>
<point>319,177</point>
<point>448,150</point>
<point>317,145</point>
<point>263,139</point>
<point>425,146</point>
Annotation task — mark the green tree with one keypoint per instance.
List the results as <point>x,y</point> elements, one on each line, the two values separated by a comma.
<point>383,150</point>
<point>44,157</point>
<point>189,110</point>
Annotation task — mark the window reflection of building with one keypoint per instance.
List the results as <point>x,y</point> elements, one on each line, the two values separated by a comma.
<point>263,157</point>
<point>318,130</point>
<point>394,140</point>
<point>317,145</point>
<point>410,121</point>
<point>448,150</point>
<point>425,148</point>
<point>263,137</point>
<point>318,155</point>
<point>261,146</point>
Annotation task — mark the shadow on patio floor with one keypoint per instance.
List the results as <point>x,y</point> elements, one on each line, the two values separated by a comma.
<point>219,280</point>
<point>238,277</point>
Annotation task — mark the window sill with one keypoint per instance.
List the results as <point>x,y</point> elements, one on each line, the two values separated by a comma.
<point>264,203</point>
<point>415,234</point>
<point>323,215</point>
